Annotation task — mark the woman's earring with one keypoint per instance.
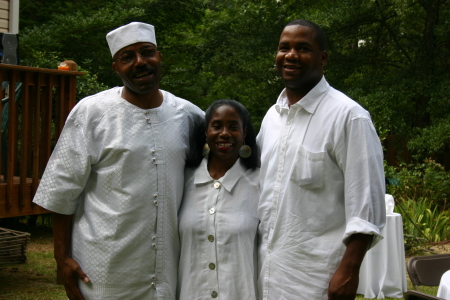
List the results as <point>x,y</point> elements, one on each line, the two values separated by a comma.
<point>245,151</point>
<point>205,150</point>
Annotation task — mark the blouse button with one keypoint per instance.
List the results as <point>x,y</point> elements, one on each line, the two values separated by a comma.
<point>212,210</point>
<point>154,159</point>
<point>146,112</point>
<point>155,195</point>
<point>211,238</point>
<point>214,294</point>
<point>216,185</point>
<point>212,266</point>
<point>153,151</point>
<point>155,202</point>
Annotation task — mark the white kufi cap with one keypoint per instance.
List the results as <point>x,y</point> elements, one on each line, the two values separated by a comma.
<point>135,32</point>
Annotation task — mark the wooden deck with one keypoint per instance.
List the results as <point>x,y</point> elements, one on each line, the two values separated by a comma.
<point>16,208</point>
<point>38,103</point>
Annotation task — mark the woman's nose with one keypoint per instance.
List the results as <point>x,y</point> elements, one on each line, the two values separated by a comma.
<point>224,133</point>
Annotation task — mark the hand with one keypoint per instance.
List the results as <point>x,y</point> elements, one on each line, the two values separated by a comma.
<point>343,285</point>
<point>69,271</point>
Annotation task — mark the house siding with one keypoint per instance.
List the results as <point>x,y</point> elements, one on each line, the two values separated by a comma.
<point>4,16</point>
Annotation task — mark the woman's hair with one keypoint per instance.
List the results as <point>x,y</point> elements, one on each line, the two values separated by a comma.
<point>252,161</point>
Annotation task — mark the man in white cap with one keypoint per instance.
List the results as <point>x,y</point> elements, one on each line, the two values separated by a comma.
<point>115,180</point>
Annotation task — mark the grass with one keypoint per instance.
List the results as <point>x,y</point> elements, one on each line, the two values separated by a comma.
<point>36,279</point>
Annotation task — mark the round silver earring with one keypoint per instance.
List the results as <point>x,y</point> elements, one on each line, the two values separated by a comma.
<point>205,150</point>
<point>245,151</point>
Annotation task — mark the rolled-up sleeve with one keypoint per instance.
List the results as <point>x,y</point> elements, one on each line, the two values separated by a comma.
<point>364,181</point>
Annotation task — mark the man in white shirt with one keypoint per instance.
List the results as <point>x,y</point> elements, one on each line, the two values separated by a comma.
<point>322,179</point>
<point>115,180</point>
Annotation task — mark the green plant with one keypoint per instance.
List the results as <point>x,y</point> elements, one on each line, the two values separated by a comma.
<point>423,222</point>
<point>425,180</point>
<point>87,85</point>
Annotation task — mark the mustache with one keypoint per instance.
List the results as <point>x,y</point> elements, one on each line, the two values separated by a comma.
<point>141,69</point>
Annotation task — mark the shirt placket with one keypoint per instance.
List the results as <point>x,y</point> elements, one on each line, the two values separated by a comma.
<point>277,189</point>
<point>157,196</point>
<point>213,287</point>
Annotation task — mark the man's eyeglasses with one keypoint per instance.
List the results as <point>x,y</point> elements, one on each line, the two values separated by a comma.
<point>130,56</point>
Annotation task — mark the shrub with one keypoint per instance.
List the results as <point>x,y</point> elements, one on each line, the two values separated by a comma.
<point>427,180</point>
<point>87,85</point>
<point>423,222</point>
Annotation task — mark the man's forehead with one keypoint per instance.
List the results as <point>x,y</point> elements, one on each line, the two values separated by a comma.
<point>136,46</point>
<point>291,32</point>
<point>298,28</point>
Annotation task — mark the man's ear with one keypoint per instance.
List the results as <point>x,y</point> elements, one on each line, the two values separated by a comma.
<point>324,57</point>
<point>114,66</point>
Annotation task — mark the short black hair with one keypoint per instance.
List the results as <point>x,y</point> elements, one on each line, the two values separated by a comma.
<point>320,35</point>
<point>252,161</point>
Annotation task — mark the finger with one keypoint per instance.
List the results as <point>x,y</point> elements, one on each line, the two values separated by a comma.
<point>80,274</point>
<point>73,292</point>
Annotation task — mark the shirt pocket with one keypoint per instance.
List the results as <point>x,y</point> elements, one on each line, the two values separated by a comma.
<point>308,170</point>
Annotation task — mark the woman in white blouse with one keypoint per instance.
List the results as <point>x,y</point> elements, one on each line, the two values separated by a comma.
<point>217,219</point>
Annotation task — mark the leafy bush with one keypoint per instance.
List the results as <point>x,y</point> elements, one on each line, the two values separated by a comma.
<point>421,192</point>
<point>423,222</point>
<point>427,180</point>
<point>87,85</point>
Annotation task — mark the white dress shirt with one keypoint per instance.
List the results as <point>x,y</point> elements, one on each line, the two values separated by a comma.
<point>218,232</point>
<point>322,180</point>
<point>120,170</point>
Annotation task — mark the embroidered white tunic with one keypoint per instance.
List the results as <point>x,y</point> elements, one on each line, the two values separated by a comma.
<point>322,180</point>
<point>218,232</point>
<point>120,170</point>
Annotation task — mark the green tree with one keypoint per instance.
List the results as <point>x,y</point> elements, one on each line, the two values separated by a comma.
<point>392,56</point>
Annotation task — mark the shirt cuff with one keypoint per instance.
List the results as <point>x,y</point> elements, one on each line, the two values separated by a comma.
<point>356,225</point>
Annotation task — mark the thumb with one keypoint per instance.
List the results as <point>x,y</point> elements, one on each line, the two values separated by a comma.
<point>82,275</point>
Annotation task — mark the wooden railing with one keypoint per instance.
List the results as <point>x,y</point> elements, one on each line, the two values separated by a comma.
<point>38,103</point>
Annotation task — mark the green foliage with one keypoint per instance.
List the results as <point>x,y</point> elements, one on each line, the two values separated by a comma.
<point>421,192</point>
<point>427,180</point>
<point>390,56</point>
<point>432,139</point>
<point>88,84</point>
<point>423,222</point>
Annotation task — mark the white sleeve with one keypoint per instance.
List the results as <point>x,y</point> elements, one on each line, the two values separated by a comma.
<point>66,173</point>
<point>364,180</point>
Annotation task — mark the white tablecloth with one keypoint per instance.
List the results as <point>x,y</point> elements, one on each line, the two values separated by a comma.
<point>444,286</point>
<point>383,271</point>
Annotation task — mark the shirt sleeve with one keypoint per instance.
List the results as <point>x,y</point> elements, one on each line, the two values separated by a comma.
<point>196,137</point>
<point>66,173</point>
<point>364,180</point>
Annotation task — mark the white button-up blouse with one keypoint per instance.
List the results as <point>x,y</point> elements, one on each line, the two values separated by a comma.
<point>218,232</point>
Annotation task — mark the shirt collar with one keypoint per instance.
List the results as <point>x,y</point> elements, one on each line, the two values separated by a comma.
<point>309,102</point>
<point>228,181</point>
